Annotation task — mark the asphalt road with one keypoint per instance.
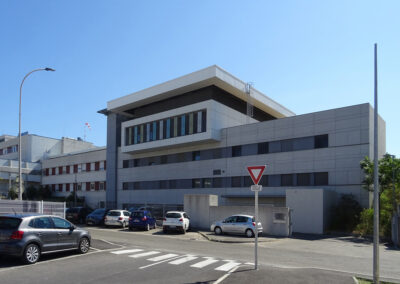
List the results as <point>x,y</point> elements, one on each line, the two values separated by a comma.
<point>151,257</point>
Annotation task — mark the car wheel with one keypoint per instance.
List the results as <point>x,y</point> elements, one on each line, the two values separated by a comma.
<point>31,254</point>
<point>183,230</point>
<point>249,233</point>
<point>217,231</point>
<point>84,245</point>
<point>147,228</point>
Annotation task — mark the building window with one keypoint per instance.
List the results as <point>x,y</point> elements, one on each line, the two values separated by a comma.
<point>196,183</point>
<point>287,180</point>
<point>75,169</point>
<point>67,187</point>
<point>236,151</point>
<point>218,182</point>
<point>60,187</point>
<point>96,185</point>
<point>196,156</point>
<point>92,185</point>
<point>125,164</point>
<point>97,166</point>
<point>321,141</point>
<point>53,171</point>
<point>67,169</point>
<point>47,172</point>
<point>262,148</point>
<point>53,187</point>
<point>207,183</point>
<point>274,147</point>
<point>321,178</point>
<point>287,145</point>
<point>88,167</point>
<point>303,179</point>
<point>236,181</point>
<point>102,186</point>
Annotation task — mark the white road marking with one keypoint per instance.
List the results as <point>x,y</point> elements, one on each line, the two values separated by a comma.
<point>183,260</point>
<point>144,254</point>
<point>204,263</point>
<point>162,257</point>
<point>169,259</point>
<point>222,278</point>
<point>126,251</point>
<point>110,243</point>
<point>227,266</point>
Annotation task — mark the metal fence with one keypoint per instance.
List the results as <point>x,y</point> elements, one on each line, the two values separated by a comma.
<point>24,206</point>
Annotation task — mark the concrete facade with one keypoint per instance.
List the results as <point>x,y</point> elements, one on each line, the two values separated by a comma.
<point>83,171</point>
<point>34,150</point>
<point>315,151</point>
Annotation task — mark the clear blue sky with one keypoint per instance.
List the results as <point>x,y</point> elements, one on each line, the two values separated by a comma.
<point>307,55</point>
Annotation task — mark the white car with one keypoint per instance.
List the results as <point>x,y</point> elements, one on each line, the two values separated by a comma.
<point>237,224</point>
<point>117,218</point>
<point>177,221</point>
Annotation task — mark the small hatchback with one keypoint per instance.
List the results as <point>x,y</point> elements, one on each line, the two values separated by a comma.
<point>117,218</point>
<point>142,219</point>
<point>30,235</point>
<point>96,217</point>
<point>237,224</point>
<point>177,221</point>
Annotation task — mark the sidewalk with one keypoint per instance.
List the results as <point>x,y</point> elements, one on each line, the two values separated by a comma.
<point>211,236</point>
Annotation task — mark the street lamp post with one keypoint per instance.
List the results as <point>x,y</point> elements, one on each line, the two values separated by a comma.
<point>19,131</point>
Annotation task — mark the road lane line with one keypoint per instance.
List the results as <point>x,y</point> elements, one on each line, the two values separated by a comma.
<point>126,251</point>
<point>162,257</point>
<point>204,263</point>
<point>144,254</point>
<point>159,262</point>
<point>183,260</point>
<point>227,266</point>
<point>110,243</point>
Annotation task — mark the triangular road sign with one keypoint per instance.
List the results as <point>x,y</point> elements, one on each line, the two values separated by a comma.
<point>256,173</point>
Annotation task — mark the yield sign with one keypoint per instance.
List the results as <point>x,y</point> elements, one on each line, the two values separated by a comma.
<point>256,173</point>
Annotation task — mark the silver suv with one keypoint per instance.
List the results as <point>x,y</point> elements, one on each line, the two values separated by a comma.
<point>30,235</point>
<point>237,224</point>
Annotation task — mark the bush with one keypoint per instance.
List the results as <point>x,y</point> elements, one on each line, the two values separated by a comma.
<point>12,194</point>
<point>346,215</point>
<point>366,225</point>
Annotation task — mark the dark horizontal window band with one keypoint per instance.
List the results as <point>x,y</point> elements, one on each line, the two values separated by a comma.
<point>167,128</point>
<point>279,146</point>
<point>282,180</point>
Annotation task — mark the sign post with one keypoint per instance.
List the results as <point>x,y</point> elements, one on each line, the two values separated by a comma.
<point>256,173</point>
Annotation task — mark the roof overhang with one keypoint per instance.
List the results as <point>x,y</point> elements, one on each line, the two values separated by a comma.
<point>213,75</point>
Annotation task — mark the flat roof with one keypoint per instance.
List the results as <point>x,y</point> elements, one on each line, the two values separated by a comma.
<point>213,75</point>
<point>77,152</point>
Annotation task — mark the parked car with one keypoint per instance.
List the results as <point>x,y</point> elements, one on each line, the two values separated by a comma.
<point>142,219</point>
<point>176,220</point>
<point>97,217</point>
<point>117,218</point>
<point>30,235</point>
<point>77,214</point>
<point>237,224</point>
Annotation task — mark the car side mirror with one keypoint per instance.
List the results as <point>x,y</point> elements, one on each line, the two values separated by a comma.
<point>72,228</point>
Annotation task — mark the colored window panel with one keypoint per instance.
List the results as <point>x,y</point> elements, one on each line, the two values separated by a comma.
<point>191,123</point>
<point>175,126</point>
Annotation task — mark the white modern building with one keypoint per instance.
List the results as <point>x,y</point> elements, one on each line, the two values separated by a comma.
<point>35,149</point>
<point>197,134</point>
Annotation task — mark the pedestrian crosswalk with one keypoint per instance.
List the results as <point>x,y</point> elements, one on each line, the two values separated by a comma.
<point>177,259</point>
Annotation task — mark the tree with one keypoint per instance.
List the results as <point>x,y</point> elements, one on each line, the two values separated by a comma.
<point>386,166</point>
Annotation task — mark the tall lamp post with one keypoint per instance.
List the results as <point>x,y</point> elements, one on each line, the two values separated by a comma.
<point>19,131</point>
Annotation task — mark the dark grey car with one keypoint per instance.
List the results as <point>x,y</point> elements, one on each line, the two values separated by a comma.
<point>30,235</point>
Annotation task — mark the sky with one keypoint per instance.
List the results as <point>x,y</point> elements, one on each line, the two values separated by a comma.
<point>307,55</point>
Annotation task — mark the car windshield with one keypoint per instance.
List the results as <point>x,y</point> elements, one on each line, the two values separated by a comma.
<point>137,214</point>
<point>98,212</point>
<point>173,215</point>
<point>7,223</point>
<point>114,213</point>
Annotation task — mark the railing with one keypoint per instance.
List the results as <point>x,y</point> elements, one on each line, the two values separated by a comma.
<point>24,206</point>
